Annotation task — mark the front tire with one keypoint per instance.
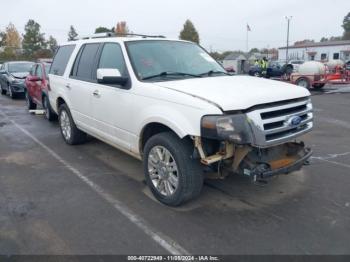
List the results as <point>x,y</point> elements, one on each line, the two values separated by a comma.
<point>49,113</point>
<point>30,104</point>
<point>173,176</point>
<point>70,133</point>
<point>11,93</point>
<point>3,91</point>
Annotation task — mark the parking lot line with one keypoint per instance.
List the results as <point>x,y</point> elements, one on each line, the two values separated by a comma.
<point>164,241</point>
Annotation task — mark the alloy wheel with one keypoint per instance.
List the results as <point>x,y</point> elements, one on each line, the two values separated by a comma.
<point>46,108</point>
<point>163,171</point>
<point>65,125</point>
<point>303,83</point>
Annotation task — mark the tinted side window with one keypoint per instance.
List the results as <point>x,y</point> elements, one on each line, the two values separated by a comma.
<point>87,62</point>
<point>61,60</point>
<point>39,72</point>
<point>32,70</point>
<point>112,57</point>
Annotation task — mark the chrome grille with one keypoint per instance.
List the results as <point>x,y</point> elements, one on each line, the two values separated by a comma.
<point>272,124</point>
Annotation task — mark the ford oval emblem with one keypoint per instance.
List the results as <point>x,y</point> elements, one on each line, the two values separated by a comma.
<point>294,121</point>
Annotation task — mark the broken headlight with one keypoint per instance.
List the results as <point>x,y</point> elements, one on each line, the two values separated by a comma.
<point>233,128</point>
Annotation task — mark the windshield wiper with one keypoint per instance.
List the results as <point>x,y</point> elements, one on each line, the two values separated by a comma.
<point>212,72</point>
<point>164,74</point>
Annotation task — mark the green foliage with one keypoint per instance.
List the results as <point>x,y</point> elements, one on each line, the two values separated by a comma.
<point>346,26</point>
<point>216,55</point>
<point>254,50</point>
<point>72,34</point>
<point>52,44</point>
<point>2,38</point>
<point>33,39</point>
<point>102,29</point>
<point>189,32</point>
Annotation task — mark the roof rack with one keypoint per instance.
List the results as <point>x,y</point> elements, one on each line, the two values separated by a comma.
<point>111,34</point>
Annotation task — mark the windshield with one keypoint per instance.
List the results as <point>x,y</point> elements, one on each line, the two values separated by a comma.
<point>20,67</point>
<point>171,59</point>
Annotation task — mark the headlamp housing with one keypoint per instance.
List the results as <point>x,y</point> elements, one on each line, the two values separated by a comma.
<point>234,128</point>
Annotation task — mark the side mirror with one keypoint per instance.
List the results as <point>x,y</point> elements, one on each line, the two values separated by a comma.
<point>2,72</point>
<point>110,76</point>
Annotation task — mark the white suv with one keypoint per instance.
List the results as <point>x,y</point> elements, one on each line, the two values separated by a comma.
<point>170,104</point>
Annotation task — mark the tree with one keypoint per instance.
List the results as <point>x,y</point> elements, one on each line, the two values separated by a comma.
<point>72,34</point>
<point>11,41</point>
<point>346,26</point>
<point>2,39</point>
<point>52,44</point>
<point>304,42</point>
<point>189,32</point>
<point>254,50</point>
<point>215,55</point>
<point>33,39</point>
<point>324,39</point>
<point>12,37</point>
<point>102,29</point>
<point>121,28</point>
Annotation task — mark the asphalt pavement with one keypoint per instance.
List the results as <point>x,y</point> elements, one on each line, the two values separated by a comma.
<point>92,199</point>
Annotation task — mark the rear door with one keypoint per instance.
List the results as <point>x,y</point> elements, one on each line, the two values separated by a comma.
<point>37,84</point>
<point>82,85</point>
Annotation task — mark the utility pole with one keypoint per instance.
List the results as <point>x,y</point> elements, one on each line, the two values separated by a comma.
<point>288,22</point>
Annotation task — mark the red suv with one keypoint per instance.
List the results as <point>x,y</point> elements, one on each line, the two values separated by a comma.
<point>36,92</point>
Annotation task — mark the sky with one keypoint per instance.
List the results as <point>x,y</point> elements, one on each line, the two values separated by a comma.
<point>222,24</point>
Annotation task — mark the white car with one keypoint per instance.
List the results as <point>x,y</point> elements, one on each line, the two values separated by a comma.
<point>296,64</point>
<point>171,105</point>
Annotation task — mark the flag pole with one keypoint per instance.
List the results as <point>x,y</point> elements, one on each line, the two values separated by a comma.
<point>247,46</point>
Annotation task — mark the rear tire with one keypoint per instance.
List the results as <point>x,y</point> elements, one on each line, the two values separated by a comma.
<point>30,104</point>
<point>50,115</point>
<point>171,173</point>
<point>318,86</point>
<point>303,82</point>
<point>70,133</point>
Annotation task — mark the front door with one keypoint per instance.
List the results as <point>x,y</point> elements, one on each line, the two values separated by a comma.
<point>111,103</point>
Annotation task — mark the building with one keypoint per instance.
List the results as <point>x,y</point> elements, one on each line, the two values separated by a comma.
<point>321,51</point>
<point>237,61</point>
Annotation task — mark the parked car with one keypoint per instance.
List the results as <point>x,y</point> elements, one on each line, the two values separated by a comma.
<point>168,103</point>
<point>36,91</point>
<point>274,69</point>
<point>12,77</point>
<point>347,65</point>
<point>296,64</point>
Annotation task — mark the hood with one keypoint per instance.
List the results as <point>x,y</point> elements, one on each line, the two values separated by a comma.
<point>20,75</point>
<point>236,92</point>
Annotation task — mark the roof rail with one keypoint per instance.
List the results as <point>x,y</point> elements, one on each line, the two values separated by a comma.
<point>112,34</point>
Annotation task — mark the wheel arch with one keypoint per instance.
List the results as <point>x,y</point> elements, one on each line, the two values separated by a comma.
<point>155,127</point>
<point>60,101</point>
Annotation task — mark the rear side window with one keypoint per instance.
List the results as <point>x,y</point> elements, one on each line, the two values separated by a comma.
<point>61,60</point>
<point>112,57</point>
<point>86,62</point>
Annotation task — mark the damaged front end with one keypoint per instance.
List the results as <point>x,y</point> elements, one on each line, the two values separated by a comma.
<point>257,142</point>
<point>257,163</point>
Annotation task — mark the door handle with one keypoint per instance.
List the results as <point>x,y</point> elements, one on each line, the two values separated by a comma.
<point>96,93</point>
<point>68,86</point>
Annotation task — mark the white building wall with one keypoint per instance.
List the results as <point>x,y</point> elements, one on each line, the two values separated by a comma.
<point>303,53</point>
